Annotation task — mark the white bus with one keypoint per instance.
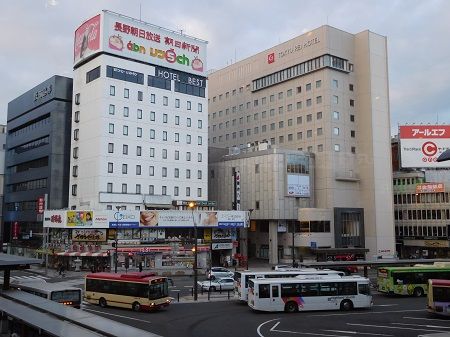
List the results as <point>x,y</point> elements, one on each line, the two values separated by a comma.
<point>305,293</point>
<point>241,278</point>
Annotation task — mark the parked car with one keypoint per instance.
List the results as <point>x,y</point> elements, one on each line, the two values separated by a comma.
<point>219,272</point>
<point>226,283</point>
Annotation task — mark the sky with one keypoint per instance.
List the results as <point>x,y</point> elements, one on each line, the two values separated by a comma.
<point>38,39</point>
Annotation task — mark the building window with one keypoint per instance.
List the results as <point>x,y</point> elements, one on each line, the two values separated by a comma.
<point>200,108</point>
<point>76,134</point>
<point>124,168</point>
<point>200,124</point>
<point>152,116</point>
<point>177,155</point>
<point>352,118</point>
<point>140,96</point>
<point>74,189</point>
<point>109,188</point>
<point>309,134</point>
<point>308,86</point>
<point>138,190</point>
<point>335,99</point>
<point>335,114</point>
<point>309,102</point>
<point>188,156</point>
<point>199,157</point>
<point>177,102</point>
<point>299,90</point>
<point>299,119</point>
<point>110,167</point>
<point>152,134</point>
<point>352,102</point>
<point>319,131</point>
<point>110,147</point>
<point>177,137</point>
<point>176,173</point>
<point>281,139</point>
<point>199,192</point>
<point>124,188</point>
<point>188,123</point>
<point>334,84</point>
<point>320,148</point>
<point>188,139</point>
<point>165,100</point>
<point>353,149</point>
<point>188,191</point>
<point>164,172</point>
<point>112,90</point>
<point>337,147</point>
<point>152,152</point>
<point>151,189</point>
<point>77,116</point>
<point>199,174</point>
<point>112,109</point>
<point>188,174</point>
<point>319,115</point>
<point>77,99</point>
<point>188,105</point>
<point>299,105</point>
<point>318,84</point>
<point>164,138</point>
<point>318,99</point>
<point>139,114</point>
<point>151,171</point>
<point>126,93</point>
<point>164,190</point>
<point>309,118</point>
<point>111,128</point>
<point>350,87</point>
<point>352,133</point>
<point>125,149</point>
<point>336,131</point>
<point>75,171</point>
<point>152,98</point>
<point>75,152</point>
<point>126,111</point>
<point>138,151</point>
<point>164,153</point>
<point>299,135</point>
<point>139,132</point>
<point>176,191</point>
<point>177,120</point>
<point>125,130</point>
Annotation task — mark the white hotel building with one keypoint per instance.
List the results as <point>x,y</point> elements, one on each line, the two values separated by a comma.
<point>140,119</point>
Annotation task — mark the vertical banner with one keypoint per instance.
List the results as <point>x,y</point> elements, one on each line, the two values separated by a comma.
<point>40,205</point>
<point>237,190</point>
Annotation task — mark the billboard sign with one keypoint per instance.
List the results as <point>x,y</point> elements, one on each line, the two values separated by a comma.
<point>421,145</point>
<point>298,185</point>
<point>137,40</point>
<point>430,188</point>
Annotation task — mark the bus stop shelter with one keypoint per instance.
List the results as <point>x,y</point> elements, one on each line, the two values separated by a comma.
<point>13,262</point>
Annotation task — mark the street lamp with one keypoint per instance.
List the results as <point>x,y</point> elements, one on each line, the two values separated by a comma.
<point>116,240</point>
<point>247,238</point>
<point>191,205</point>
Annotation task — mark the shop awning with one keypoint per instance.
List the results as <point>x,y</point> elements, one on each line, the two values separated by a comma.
<point>101,254</point>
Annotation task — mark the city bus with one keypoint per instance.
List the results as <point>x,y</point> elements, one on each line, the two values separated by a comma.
<point>411,281</point>
<point>69,296</point>
<point>134,290</point>
<point>439,297</point>
<point>241,278</point>
<point>305,293</point>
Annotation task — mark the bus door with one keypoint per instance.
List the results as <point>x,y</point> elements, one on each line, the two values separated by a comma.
<point>264,297</point>
<point>276,301</point>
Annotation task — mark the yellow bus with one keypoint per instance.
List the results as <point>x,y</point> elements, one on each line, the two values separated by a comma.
<point>135,290</point>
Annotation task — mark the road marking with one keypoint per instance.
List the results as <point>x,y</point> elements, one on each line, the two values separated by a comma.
<point>385,305</point>
<point>258,330</point>
<point>359,333</point>
<point>424,319</point>
<point>365,313</point>
<point>426,325</point>
<point>115,315</point>
<point>392,327</point>
<point>273,329</point>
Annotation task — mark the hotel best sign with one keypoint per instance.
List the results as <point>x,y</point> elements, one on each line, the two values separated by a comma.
<point>126,37</point>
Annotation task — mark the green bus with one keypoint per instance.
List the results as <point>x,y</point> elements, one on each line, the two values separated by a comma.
<point>412,281</point>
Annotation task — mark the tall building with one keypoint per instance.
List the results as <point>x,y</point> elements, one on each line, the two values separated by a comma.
<point>37,160</point>
<point>324,92</point>
<point>139,131</point>
<point>2,176</point>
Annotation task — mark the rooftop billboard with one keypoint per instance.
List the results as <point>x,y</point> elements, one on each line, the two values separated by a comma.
<point>421,145</point>
<point>127,37</point>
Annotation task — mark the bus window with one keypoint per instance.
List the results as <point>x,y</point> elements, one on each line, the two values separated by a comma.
<point>328,289</point>
<point>347,288</point>
<point>275,291</point>
<point>364,289</point>
<point>310,289</point>
<point>264,291</point>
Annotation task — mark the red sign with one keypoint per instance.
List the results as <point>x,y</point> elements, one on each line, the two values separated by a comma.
<point>87,39</point>
<point>15,230</point>
<point>271,58</point>
<point>41,205</point>
<point>424,131</point>
<point>430,188</point>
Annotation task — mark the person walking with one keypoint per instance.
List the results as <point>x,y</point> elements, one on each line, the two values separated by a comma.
<point>140,266</point>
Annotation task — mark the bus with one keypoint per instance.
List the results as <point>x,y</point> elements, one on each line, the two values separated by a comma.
<point>439,297</point>
<point>305,293</point>
<point>69,296</point>
<point>412,281</point>
<point>134,290</point>
<point>241,278</point>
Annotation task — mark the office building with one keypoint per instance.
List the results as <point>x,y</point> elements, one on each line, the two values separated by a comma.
<point>324,92</point>
<point>139,130</point>
<point>37,161</point>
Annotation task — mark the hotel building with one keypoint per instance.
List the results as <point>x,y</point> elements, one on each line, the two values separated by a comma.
<point>139,129</point>
<point>325,93</point>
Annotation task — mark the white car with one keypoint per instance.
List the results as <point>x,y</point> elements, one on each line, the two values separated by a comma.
<point>226,283</point>
<point>219,272</point>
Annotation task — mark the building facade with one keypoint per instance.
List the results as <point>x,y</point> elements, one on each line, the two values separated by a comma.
<point>139,131</point>
<point>37,160</point>
<point>326,93</point>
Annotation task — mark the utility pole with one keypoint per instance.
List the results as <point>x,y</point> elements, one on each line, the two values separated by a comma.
<point>116,241</point>
<point>191,206</point>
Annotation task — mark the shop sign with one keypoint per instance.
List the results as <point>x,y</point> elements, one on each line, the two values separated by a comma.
<point>222,233</point>
<point>41,205</point>
<point>222,245</point>
<point>15,230</point>
<point>92,235</point>
<point>430,188</point>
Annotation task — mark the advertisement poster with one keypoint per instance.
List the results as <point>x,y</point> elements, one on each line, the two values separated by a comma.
<point>93,235</point>
<point>79,218</point>
<point>87,39</point>
<point>298,185</point>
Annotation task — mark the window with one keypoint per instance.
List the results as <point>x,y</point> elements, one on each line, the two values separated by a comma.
<point>309,118</point>
<point>124,188</point>
<point>334,84</point>
<point>188,174</point>
<point>352,102</point>
<point>177,155</point>
<point>337,148</point>
<point>299,90</point>
<point>140,96</point>
<point>110,167</point>
<point>112,109</point>
<point>139,114</point>
<point>164,153</point>
<point>280,95</point>
<point>126,93</point>
<point>176,191</point>
<point>299,105</point>
<point>335,99</point>
<point>272,98</point>
<point>188,123</point>
<point>152,134</point>
<point>299,120</point>
<point>319,115</point>
<point>309,134</point>
<point>125,130</point>
<point>188,191</point>
<point>352,118</point>
<point>110,147</point>
<point>111,128</point>
<point>138,189</point>
<point>76,134</point>
<point>177,102</point>
<point>200,124</point>
<point>109,187</point>
<point>290,137</point>
<point>352,133</point>
<point>151,171</point>
<point>125,149</point>
<point>353,149</point>
<point>299,135</point>
<point>164,172</point>
<point>138,170</point>
<point>74,190</point>
<point>188,139</point>
<point>199,107</point>
<point>335,114</point>
<point>164,138</point>
<point>309,102</point>
<point>318,99</point>
<point>280,124</point>
<point>176,173</point>
<point>177,137</point>
<point>188,156</point>
<point>138,151</point>
<point>336,131</point>
<point>75,153</point>
<point>77,99</point>
<point>177,120</point>
<point>289,93</point>
<point>112,90</point>
<point>199,140</point>
<point>126,111</point>
<point>318,84</point>
<point>152,98</point>
<point>319,131</point>
<point>188,105</point>
<point>350,87</point>
<point>320,148</point>
<point>124,168</point>
<point>308,86</point>
<point>152,152</point>
<point>139,132</point>
<point>151,189</point>
<point>199,192</point>
<point>75,171</point>
<point>165,100</point>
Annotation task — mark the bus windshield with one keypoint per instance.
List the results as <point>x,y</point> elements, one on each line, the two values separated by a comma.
<point>66,295</point>
<point>158,290</point>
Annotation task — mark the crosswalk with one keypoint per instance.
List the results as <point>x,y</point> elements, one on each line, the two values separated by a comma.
<point>28,278</point>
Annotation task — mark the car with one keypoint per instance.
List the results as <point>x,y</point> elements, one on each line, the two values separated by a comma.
<point>219,272</point>
<point>225,283</point>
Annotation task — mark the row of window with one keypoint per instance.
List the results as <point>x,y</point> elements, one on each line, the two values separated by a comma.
<point>29,165</point>
<point>30,145</point>
<point>302,69</point>
<point>421,231</point>
<point>22,206</point>
<point>151,171</point>
<point>30,126</point>
<point>27,185</point>
<point>421,198</point>
<point>138,190</point>
<point>408,181</point>
<point>422,214</point>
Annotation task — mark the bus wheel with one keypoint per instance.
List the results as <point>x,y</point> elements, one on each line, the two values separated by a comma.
<point>102,302</point>
<point>418,292</point>
<point>136,306</point>
<point>291,307</point>
<point>346,305</point>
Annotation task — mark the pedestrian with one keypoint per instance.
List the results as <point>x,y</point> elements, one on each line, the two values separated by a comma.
<point>140,266</point>
<point>61,269</point>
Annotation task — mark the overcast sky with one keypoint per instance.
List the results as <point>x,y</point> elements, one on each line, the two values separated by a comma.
<point>38,39</point>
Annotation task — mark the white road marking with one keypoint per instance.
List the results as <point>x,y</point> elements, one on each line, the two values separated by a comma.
<point>426,325</point>
<point>359,333</point>
<point>258,330</point>
<point>385,305</point>
<point>115,315</point>
<point>392,327</point>
<point>423,319</point>
<point>273,329</point>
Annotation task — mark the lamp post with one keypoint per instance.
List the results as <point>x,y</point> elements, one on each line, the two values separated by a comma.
<point>116,240</point>
<point>191,205</point>
<point>247,238</point>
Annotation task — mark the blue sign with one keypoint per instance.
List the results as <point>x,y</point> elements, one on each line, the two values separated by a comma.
<point>230,224</point>
<point>116,224</point>
<point>313,244</point>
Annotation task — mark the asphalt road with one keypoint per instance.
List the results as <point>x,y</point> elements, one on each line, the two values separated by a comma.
<point>390,316</point>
